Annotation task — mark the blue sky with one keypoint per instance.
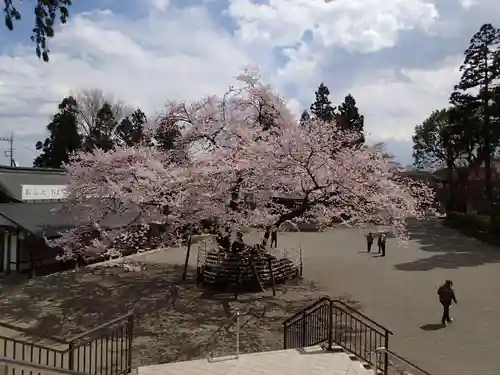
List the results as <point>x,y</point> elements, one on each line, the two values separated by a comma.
<point>399,58</point>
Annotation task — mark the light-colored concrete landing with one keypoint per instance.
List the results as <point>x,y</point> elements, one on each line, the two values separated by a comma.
<point>310,361</point>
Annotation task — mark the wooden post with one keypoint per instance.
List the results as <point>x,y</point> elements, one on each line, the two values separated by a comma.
<point>186,262</point>
<point>256,275</point>
<point>301,264</point>
<point>18,251</point>
<point>9,244</point>
<point>270,265</point>
<point>32,261</point>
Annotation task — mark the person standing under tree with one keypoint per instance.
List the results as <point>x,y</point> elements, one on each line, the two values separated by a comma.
<point>274,236</point>
<point>369,242</point>
<point>266,236</point>
<point>446,297</point>
<point>381,244</point>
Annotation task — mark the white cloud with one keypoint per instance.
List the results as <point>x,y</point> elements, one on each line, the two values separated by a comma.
<point>356,25</point>
<point>398,100</point>
<point>171,53</point>
<point>181,58</point>
<point>161,5</point>
<point>468,3</point>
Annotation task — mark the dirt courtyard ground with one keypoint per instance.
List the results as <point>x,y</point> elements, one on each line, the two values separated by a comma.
<point>176,321</point>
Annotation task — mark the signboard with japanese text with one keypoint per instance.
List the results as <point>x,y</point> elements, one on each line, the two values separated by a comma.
<point>43,192</point>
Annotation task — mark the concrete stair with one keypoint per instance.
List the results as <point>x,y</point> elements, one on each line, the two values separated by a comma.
<point>305,361</point>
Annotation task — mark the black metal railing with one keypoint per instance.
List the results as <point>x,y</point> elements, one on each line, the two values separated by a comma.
<point>104,350</point>
<point>337,323</point>
<point>310,326</point>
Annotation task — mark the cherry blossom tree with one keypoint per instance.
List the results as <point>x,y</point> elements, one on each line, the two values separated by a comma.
<point>243,148</point>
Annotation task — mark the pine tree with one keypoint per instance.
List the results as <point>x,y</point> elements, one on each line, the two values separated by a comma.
<point>130,131</point>
<point>480,71</point>
<point>304,119</point>
<point>349,118</point>
<point>322,108</point>
<point>63,137</point>
<point>101,135</point>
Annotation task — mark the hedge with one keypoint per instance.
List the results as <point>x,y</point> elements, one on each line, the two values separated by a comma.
<point>483,227</point>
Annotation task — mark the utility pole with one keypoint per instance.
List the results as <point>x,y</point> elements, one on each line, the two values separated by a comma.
<point>10,151</point>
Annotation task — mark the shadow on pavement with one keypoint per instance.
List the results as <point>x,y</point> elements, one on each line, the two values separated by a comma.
<point>432,327</point>
<point>448,249</point>
<point>174,319</point>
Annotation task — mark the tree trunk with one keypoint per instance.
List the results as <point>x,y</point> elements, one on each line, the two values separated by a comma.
<point>293,214</point>
<point>487,141</point>
<point>451,203</point>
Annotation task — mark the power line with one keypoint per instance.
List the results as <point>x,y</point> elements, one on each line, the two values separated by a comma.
<point>10,151</point>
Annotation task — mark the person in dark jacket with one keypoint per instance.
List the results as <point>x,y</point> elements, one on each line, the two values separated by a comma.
<point>369,242</point>
<point>446,297</point>
<point>267,233</point>
<point>274,236</point>
<point>238,244</point>
<point>381,244</point>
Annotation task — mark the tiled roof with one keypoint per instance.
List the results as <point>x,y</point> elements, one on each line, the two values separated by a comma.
<point>45,219</point>
<point>39,219</point>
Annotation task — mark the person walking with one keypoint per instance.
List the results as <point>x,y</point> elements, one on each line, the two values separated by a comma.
<point>369,242</point>
<point>274,236</point>
<point>446,297</point>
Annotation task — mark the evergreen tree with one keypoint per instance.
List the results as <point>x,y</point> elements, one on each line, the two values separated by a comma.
<point>101,135</point>
<point>322,108</point>
<point>304,119</point>
<point>166,137</point>
<point>130,131</point>
<point>63,137</point>
<point>480,71</point>
<point>349,118</point>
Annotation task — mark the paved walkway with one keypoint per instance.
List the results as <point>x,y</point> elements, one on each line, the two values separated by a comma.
<point>310,361</point>
<point>399,291</point>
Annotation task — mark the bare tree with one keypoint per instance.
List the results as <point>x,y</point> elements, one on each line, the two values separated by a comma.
<point>90,102</point>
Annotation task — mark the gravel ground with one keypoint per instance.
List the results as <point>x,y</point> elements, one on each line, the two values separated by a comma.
<point>174,319</point>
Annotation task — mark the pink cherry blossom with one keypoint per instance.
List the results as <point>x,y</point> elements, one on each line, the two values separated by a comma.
<point>246,145</point>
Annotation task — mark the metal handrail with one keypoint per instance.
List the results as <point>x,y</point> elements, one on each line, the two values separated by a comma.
<point>35,366</point>
<point>340,304</point>
<point>101,326</point>
<point>311,306</point>
<point>33,333</point>
<point>236,315</point>
<point>355,311</point>
<point>399,358</point>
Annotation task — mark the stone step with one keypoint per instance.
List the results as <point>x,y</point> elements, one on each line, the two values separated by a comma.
<point>311,361</point>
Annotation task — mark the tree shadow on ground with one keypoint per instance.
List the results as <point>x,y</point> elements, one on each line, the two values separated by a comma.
<point>432,327</point>
<point>174,319</point>
<point>450,249</point>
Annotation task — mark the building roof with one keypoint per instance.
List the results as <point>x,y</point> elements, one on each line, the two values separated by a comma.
<point>5,222</point>
<point>46,218</point>
<point>40,219</point>
<point>12,179</point>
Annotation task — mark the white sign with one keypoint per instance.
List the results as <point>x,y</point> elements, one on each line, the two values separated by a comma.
<point>41,192</point>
